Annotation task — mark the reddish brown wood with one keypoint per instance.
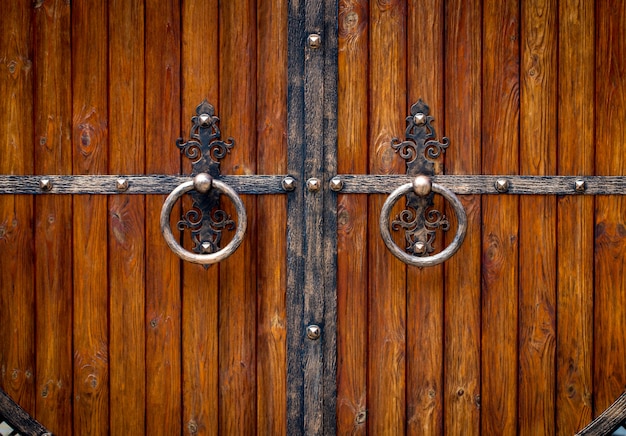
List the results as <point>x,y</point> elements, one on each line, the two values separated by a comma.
<point>53,275</point>
<point>238,295</point>
<point>575,219</point>
<point>537,247</point>
<point>462,323</point>
<point>386,397</point>
<point>127,219</point>
<point>90,148</point>
<point>17,287</point>
<point>352,145</point>
<point>500,145</point>
<point>610,233</point>
<point>163,301</point>
<point>272,216</point>
<point>425,77</point>
<point>200,286</point>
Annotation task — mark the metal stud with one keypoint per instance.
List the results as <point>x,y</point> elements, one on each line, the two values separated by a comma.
<point>313,332</point>
<point>419,248</point>
<point>202,183</point>
<point>288,183</point>
<point>422,185</point>
<point>121,184</point>
<point>336,184</point>
<point>315,40</point>
<point>313,184</point>
<point>45,184</point>
<point>581,186</point>
<point>205,120</point>
<point>419,119</point>
<point>502,185</point>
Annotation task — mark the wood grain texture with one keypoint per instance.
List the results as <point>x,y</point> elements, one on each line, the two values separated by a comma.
<point>200,293</point>
<point>386,396</point>
<point>238,295</point>
<point>163,269</point>
<point>537,246</point>
<point>53,275</point>
<point>610,234</point>
<point>352,221</point>
<point>500,105</point>
<point>425,311</point>
<point>576,155</point>
<point>90,150</point>
<point>271,119</point>
<point>17,287</point>
<point>127,268</point>
<point>462,321</point>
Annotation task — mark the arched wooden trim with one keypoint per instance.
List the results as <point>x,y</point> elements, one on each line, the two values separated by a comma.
<point>17,419</point>
<point>609,420</point>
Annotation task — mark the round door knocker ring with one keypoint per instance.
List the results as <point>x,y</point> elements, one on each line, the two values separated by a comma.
<point>420,186</point>
<point>203,183</point>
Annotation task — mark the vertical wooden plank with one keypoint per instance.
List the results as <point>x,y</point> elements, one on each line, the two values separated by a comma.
<point>500,145</point>
<point>610,230</point>
<point>537,246</point>
<point>126,218</point>
<point>53,274</point>
<point>237,306</point>
<point>271,116</point>
<point>163,301</point>
<point>200,286</point>
<point>352,220</point>
<point>17,288</point>
<point>462,272</point>
<point>575,218</point>
<point>386,395</point>
<point>90,148</point>
<point>425,70</point>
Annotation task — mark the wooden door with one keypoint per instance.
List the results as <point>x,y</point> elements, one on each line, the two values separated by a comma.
<point>103,330</point>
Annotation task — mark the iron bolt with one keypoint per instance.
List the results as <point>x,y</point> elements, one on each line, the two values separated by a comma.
<point>205,120</point>
<point>419,119</point>
<point>336,184</point>
<point>502,185</point>
<point>422,185</point>
<point>581,186</point>
<point>45,184</point>
<point>313,184</point>
<point>315,40</point>
<point>202,183</point>
<point>289,183</point>
<point>313,332</point>
<point>121,184</point>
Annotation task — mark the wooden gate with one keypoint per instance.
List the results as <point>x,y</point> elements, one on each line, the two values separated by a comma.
<point>312,325</point>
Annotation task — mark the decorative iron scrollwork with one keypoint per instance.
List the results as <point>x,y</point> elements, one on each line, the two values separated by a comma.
<point>205,149</point>
<point>420,220</point>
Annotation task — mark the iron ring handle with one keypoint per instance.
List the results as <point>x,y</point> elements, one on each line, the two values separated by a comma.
<point>203,183</point>
<point>422,186</point>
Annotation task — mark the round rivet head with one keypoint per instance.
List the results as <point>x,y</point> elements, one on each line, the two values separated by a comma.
<point>314,40</point>
<point>419,119</point>
<point>313,184</point>
<point>205,120</point>
<point>45,184</point>
<point>288,183</point>
<point>336,184</point>
<point>121,185</point>
<point>502,185</point>
<point>419,247</point>
<point>422,185</point>
<point>580,186</point>
<point>202,183</point>
<point>313,332</point>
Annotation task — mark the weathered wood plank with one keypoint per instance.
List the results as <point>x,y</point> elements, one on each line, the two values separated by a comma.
<point>609,420</point>
<point>425,314</point>
<point>271,115</point>
<point>89,221</point>
<point>386,395</point>
<point>576,155</point>
<point>237,304</point>
<point>163,270</point>
<point>461,386</point>
<point>352,221</point>
<point>127,267</point>
<point>17,287</point>
<point>19,420</point>
<point>53,275</point>
<point>500,108</point>
<point>610,236</point>
<point>200,293</point>
<point>537,246</point>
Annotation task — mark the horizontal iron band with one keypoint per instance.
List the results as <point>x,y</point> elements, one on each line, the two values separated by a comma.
<point>137,184</point>
<point>486,184</point>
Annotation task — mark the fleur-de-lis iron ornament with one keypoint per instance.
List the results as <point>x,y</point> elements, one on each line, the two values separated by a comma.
<point>205,149</point>
<point>420,220</point>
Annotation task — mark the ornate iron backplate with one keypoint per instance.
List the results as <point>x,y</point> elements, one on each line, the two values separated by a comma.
<point>420,220</point>
<point>205,149</point>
